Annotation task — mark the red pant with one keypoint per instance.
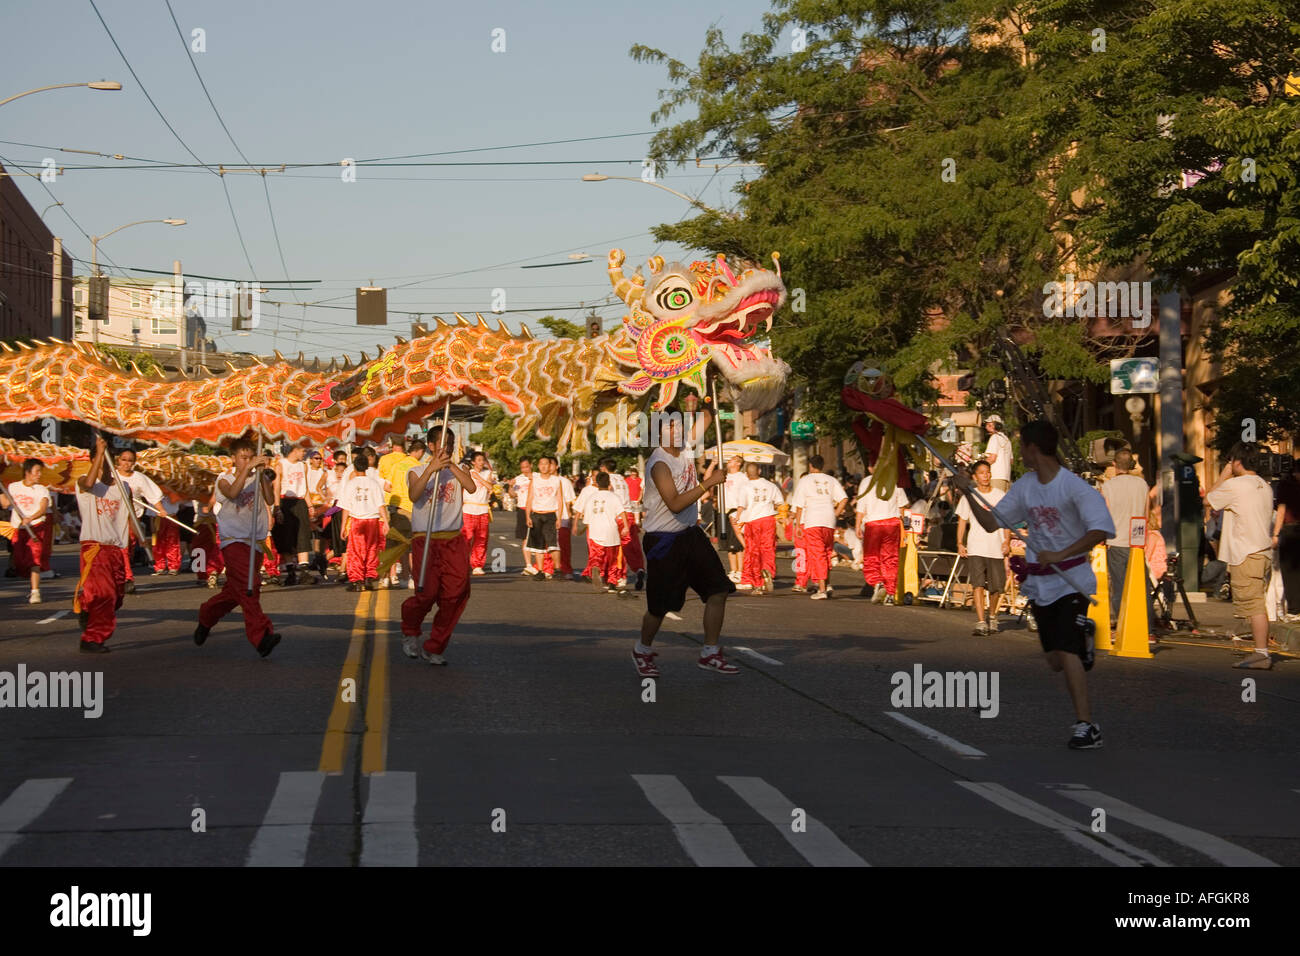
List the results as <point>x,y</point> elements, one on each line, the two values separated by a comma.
<point>32,554</point>
<point>256,624</point>
<point>476,533</point>
<point>365,539</point>
<point>819,549</point>
<point>167,547</point>
<point>760,550</point>
<point>800,558</point>
<point>880,553</point>
<point>131,542</point>
<point>209,542</point>
<point>446,584</point>
<point>631,558</point>
<point>565,537</point>
<point>601,560</point>
<point>99,590</point>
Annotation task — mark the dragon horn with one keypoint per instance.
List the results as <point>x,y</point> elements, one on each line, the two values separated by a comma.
<point>629,290</point>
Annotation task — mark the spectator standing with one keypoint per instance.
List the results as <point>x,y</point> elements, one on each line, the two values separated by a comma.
<point>998,452</point>
<point>1127,497</point>
<point>1286,538</point>
<point>985,553</point>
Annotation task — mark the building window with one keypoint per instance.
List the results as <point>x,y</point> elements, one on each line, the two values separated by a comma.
<point>163,326</point>
<point>136,299</point>
<point>78,296</point>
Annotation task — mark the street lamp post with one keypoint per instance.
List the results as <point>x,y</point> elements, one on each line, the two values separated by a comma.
<point>598,178</point>
<point>94,260</point>
<point>96,85</point>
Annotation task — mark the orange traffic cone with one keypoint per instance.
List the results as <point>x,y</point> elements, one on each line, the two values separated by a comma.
<point>1100,612</point>
<point>1131,631</point>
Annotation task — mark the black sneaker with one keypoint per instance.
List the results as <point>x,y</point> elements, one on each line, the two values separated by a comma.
<point>267,644</point>
<point>372,584</point>
<point>201,634</point>
<point>91,647</point>
<point>640,580</point>
<point>130,587</point>
<point>1086,736</point>
<point>356,586</point>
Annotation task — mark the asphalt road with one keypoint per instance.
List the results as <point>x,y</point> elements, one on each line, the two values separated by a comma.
<point>537,745</point>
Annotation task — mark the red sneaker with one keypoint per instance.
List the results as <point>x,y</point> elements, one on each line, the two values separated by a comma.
<point>645,664</point>
<point>719,665</point>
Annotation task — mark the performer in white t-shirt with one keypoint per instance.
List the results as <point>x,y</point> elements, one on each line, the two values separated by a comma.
<point>365,522</point>
<point>817,503</point>
<point>437,490</point>
<point>143,489</point>
<point>631,559</point>
<point>519,486</point>
<point>1066,518</point>
<point>243,499</point>
<point>759,500</point>
<point>542,512</point>
<point>105,531</point>
<point>985,553</point>
<point>735,481</point>
<point>478,511</point>
<point>879,525</point>
<point>30,502</point>
<point>601,510</point>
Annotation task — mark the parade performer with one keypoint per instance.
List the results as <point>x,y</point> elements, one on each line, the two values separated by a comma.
<point>365,523</point>
<point>601,510</point>
<point>1066,518</point>
<point>731,488</point>
<point>631,557</point>
<point>332,518</point>
<point>759,499</point>
<point>30,500</point>
<point>244,497</point>
<point>542,512</point>
<point>678,552</point>
<point>879,527</point>
<point>208,542</point>
<point>817,503</point>
<point>292,531</point>
<point>565,531</point>
<point>437,492</point>
<point>142,488</point>
<point>392,469</point>
<point>167,539</point>
<point>478,512</point>
<point>102,504</point>
<point>519,489</point>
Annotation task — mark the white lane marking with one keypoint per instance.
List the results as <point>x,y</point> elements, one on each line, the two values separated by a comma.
<point>942,739</point>
<point>282,838</point>
<point>1122,854</point>
<point>388,827</point>
<point>761,657</point>
<point>703,836</point>
<point>817,844</point>
<point>673,616</point>
<point>25,804</point>
<point>53,617</point>
<point>1216,848</point>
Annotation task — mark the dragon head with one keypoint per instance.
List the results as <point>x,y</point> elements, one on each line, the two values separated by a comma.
<point>685,318</point>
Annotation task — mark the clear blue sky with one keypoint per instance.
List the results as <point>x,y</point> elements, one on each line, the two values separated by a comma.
<point>315,82</point>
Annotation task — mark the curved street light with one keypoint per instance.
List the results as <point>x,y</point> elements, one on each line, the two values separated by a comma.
<point>599,178</point>
<point>94,257</point>
<point>96,85</point>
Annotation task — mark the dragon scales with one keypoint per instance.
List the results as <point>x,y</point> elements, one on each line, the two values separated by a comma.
<point>683,321</point>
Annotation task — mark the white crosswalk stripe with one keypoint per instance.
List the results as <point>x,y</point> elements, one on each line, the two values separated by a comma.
<point>282,838</point>
<point>1216,848</point>
<point>703,836</point>
<point>816,844</point>
<point>1107,846</point>
<point>24,805</point>
<point>388,835</point>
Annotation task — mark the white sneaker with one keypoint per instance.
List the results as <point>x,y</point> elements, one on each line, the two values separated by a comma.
<point>35,598</point>
<point>530,571</point>
<point>819,596</point>
<point>475,572</point>
<point>410,646</point>
<point>410,583</point>
<point>436,659</point>
<point>734,576</point>
<point>742,586</point>
<point>878,597</point>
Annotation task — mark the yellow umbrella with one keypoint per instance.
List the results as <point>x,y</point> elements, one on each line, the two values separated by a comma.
<point>755,451</point>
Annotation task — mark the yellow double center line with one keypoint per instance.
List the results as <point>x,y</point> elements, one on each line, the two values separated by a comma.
<point>369,620</point>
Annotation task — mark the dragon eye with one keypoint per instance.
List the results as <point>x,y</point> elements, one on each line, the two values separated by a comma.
<point>674,299</point>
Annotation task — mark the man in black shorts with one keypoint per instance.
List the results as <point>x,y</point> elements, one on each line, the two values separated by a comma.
<point>678,553</point>
<point>1067,517</point>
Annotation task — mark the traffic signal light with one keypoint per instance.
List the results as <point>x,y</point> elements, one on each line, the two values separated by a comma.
<point>595,327</point>
<point>372,306</point>
<point>241,311</point>
<point>97,309</point>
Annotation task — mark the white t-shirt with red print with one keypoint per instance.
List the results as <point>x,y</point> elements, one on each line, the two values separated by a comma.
<point>246,515</point>
<point>548,494</point>
<point>103,514</point>
<point>28,498</point>
<point>449,506</point>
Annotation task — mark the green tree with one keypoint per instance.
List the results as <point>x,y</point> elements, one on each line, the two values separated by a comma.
<point>1198,88</point>
<point>125,357</point>
<point>562,328</point>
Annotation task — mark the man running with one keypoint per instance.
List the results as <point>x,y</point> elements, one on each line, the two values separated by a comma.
<point>542,512</point>
<point>478,512</point>
<point>244,496</point>
<point>1067,517</point>
<point>105,531</point>
<point>30,500</point>
<point>437,491</point>
<point>679,555</point>
<point>817,503</point>
<point>759,499</point>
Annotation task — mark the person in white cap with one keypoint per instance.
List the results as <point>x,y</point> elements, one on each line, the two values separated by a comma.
<point>998,452</point>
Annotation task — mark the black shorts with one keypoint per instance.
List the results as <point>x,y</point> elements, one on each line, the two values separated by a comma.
<point>521,524</point>
<point>542,535</point>
<point>987,573</point>
<point>691,562</point>
<point>292,534</point>
<point>1058,624</point>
